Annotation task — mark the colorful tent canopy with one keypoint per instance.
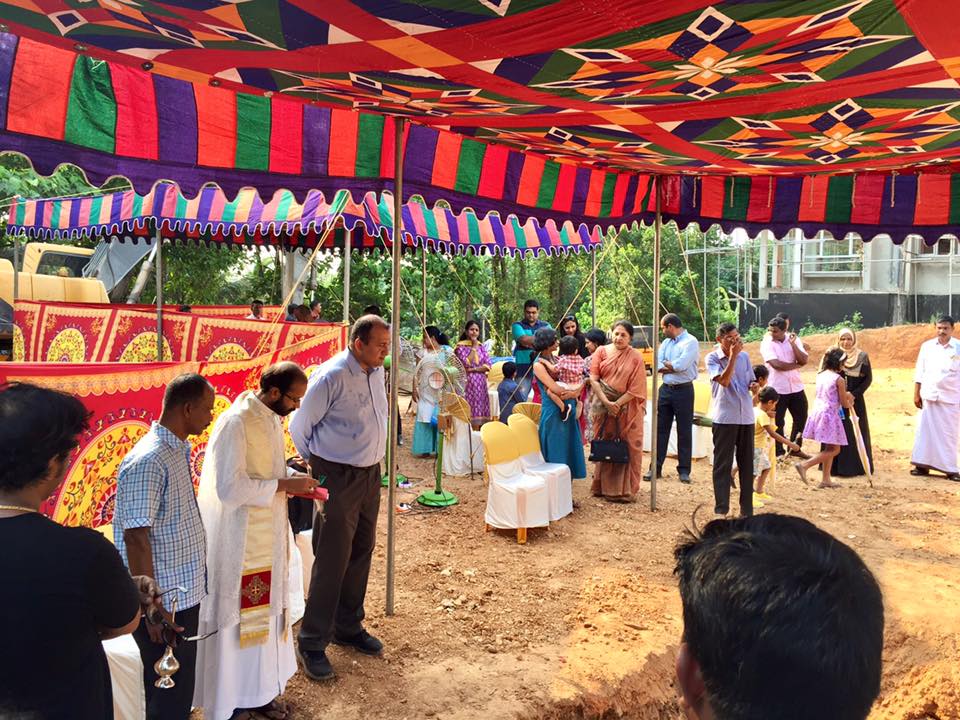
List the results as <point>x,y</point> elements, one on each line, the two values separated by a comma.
<point>212,217</point>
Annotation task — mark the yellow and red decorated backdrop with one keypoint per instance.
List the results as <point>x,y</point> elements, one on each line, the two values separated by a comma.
<point>125,398</point>
<point>77,333</point>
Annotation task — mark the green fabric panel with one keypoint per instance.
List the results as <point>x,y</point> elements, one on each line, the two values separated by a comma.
<point>954,199</point>
<point>548,184</point>
<point>230,210</point>
<point>283,207</point>
<point>469,165</point>
<point>606,199</point>
<point>253,132</point>
<point>92,108</point>
<point>737,210</point>
<point>386,212</point>
<point>473,228</point>
<point>839,199</point>
<point>369,145</point>
<point>430,221</point>
<point>564,235</point>
<point>181,211</point>
<point>518,235</point>
<point>95,208</point>
<point>21,212</point>
<point>137,205</point>
<point>55,213</point>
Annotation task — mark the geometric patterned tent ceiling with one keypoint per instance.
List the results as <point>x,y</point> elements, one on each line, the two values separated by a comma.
<point>728,87</point>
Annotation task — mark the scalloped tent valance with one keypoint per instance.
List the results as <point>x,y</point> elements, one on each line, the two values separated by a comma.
<point>212,217</point>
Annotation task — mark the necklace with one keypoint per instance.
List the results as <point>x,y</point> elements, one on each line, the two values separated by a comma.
<point>18,507</point>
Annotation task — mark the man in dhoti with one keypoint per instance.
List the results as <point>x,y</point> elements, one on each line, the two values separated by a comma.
<point>244,666</point>
<point>937,394</point>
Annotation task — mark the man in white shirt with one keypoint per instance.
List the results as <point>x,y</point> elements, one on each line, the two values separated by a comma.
<point>256,311</point>
<point>248,658</point>
<point>937,394</point>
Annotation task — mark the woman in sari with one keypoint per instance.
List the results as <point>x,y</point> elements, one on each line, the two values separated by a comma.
<point>859,375</point>
<point>560,442</point>
<point>476,361</point>
<point>426,396</point>
<point>618,378</point>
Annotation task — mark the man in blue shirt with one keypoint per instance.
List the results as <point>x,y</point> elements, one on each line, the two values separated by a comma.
<point>159,533</point>
<point>732,380</point>
<point>677,361</point>
<point>523,332</point>
<point>507,391</point>
<point>341,427</point>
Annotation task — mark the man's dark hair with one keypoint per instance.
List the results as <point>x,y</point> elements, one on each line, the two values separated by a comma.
<point>183,389</point>
<point>626,325</point>
<point>784,620</point>
<point>282,376</point>
<point>945,319</point>
<point>768,393</point>
<point>291,307</point>
<point>782,316</point>
<point>672,319</point>
<point>255,303</point>
<point>544,338</point>
<point>531,304</point>
<point>315,304</point>
<point>777,322</point>
<point>724,328</point>
<point>36,425</point>
<point>184,309</point>
<point>373,310</point>
<point>364,326</point>
<point>569,345</point>
<point>760,371</point>
<point>596,336</point>
<point>509,370</point>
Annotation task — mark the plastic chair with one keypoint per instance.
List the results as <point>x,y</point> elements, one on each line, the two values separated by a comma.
<point>557,475</point>
<point>462,448</point>
<point>531,410</point>
<point>516,500</point>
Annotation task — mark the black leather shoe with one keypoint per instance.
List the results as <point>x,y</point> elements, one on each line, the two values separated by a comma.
<point>362,642</point>
<point>649,475</point>
<point>685,478</point>
<point>315,664</point>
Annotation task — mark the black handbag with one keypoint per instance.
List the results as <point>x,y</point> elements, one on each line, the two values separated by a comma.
<point>612,450</point>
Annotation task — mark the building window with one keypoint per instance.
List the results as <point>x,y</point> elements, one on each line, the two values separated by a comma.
<point>826,255</point>
<point>941,247</point>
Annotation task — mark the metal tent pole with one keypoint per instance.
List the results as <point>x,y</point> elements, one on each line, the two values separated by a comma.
<point>347,252</point>
<point>593,290</point>
<point>158,239</point>
<point>16,268</point>
<point>423,282</point>
<point>394,358</point>
<point>657,228</point>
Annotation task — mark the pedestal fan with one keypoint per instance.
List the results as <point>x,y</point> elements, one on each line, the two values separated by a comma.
<point>444,375</point>
<point>407,364</point>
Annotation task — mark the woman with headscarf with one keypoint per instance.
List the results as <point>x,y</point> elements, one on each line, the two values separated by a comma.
<point>476,361</point>
<point>859,375</point>
<point>571,326</point>
<point>560,442</point>
<point>619,381</point>
<point>425,395</point>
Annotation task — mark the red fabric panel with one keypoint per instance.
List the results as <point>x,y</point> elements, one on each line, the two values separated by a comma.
<point>619,192</point>
<point>286,135</point>
<point>493,172</point>
<point>867,199</point>
<point>136,112</point>
<point>813,199</point>
<point>388,146</point>
<point>642,186</point>
<point>711,196</point>
<point>595,193</point>
<point>933,199</point>
<point>40,90</point>
<point>446,159</point>
<point>530,178</point>
<point>763,192</point>
<point>343,143</point>
<point>216,126</point>
<point>563,198</point>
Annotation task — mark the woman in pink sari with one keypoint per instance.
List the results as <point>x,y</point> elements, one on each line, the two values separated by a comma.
<point>618,378</point>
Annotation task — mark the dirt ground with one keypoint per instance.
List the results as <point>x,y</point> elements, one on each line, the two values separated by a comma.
<point>583,621</point>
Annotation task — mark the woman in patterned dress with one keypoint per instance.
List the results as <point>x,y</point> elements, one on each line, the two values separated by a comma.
<point>825,424</point>
<point>476,361</point>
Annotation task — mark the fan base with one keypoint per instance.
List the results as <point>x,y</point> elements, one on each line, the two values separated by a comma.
<point>435,498</point>
<point>385,480</point>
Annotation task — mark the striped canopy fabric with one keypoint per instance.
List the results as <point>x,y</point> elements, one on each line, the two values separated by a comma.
<point>210,216</point>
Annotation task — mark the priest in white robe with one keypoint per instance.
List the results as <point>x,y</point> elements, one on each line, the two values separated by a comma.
<point>937,394</point>
<point>245,665</point>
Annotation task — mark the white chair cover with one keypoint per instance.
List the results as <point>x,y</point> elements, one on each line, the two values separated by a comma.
<point>516,499</point>
<point>702,440</point>
<point>126,678</point>
<point>559,483</point>
<point>456,449</point>
<point>494,402</point>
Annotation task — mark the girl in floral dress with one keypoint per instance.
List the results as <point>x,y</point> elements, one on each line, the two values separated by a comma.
<point>825,425</point>
<point>476,361</point>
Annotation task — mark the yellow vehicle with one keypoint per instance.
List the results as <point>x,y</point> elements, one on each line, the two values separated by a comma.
<point>52,272</point>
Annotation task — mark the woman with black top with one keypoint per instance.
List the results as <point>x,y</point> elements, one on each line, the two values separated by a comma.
<point>65,589</point>
<point>859,375</point>
<point>571,326</point>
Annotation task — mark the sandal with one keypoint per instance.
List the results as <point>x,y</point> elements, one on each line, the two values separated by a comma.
<point>276,709</point>
<point>920,471</point>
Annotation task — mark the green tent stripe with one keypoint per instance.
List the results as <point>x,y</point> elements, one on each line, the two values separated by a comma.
<point>839,199</point>
<point>386,212</point>
<point>137,205</point>
<point>284,205</point>
<point>21,212</point>
<point>606,199</point>
<point>55,215</point>
<point>230,210</point>
<point>369,145</point>
<point>469,165</point>
<point>548,184</point>
<point>739,187</point>
<point>564,235</point>
<point>519,238</point>
<point>253,132</point>
<point>92,107</point>
<point>954,199</point>
<point>430,221</point>
<point>473,229</point>
<point>95,208</point>
<point>181,210</point>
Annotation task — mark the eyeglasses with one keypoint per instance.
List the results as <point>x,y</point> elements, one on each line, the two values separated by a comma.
<point>291,398</point>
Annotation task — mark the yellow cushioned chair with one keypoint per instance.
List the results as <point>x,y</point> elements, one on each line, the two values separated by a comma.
<point>558,477</point>
<point>495,376</point>
<point>531,410</point>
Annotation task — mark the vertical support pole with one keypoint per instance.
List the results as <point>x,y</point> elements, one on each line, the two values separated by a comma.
<point>423,282</point>
<point>593,290</point>
<point>394,359</point>
<point>953,248</point>
<point>16,267</point>
<point>652,400</point>
<point>158,239</point>
<point>706,295</point>
<point>347,257</point>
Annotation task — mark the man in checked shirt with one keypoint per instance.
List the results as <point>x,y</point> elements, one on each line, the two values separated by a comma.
<point>158,531</point>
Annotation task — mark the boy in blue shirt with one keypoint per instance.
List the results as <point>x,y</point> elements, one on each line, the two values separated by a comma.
<point>508,391</point>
